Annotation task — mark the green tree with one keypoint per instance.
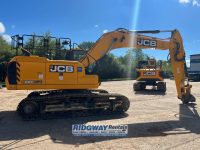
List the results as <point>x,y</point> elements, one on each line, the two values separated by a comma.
<point>86,45</point>
<point>130,61</point>
<point>167,68</point>
<point>109,67</point>
<point>5,51</point>
<point>82,49</point>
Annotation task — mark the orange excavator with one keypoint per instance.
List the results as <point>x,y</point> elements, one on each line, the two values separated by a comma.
<point>149,73</point>
<point>74,90</point>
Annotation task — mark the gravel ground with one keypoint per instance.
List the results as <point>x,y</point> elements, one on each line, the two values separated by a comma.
<point>155,121</point>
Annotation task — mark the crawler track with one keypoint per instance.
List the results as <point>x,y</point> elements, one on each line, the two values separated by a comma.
<point>40,104</point>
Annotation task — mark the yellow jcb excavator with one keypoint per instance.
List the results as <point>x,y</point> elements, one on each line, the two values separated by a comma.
<point>74,89</point>
<point>149,73</point>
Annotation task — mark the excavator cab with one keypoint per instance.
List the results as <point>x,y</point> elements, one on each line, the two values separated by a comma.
<point>149,73</point>
<point>149,64</point>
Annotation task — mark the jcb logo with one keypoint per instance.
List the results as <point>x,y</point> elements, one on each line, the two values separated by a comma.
<point>143,42</point>
<point>61,68</point>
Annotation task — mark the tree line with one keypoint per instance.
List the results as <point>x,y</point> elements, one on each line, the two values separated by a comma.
<point>109,67</point>
<point>112,67</point>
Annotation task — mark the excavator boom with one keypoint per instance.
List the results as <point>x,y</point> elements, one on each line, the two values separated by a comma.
<point>122,38</point>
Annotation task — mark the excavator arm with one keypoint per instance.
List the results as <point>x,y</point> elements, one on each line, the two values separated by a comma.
<point>123,38</point>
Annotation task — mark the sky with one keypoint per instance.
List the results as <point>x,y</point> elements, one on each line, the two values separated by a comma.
<point>87,20</point>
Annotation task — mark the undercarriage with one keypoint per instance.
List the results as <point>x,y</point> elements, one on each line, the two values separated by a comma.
<point>39,103</point>
<point>141,86</point>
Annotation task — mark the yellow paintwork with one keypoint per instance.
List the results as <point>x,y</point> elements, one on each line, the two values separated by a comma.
<point>152,69</point>
<point>36,69</point>
<point>32,66</point>
<point>156,76</point>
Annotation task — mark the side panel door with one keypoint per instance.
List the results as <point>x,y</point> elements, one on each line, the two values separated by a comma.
<point>31,72</point>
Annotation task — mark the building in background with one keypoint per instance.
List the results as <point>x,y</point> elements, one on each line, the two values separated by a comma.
<point>194,71</point>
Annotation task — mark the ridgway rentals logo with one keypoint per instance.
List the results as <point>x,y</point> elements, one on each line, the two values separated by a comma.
<point>99,130</point>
